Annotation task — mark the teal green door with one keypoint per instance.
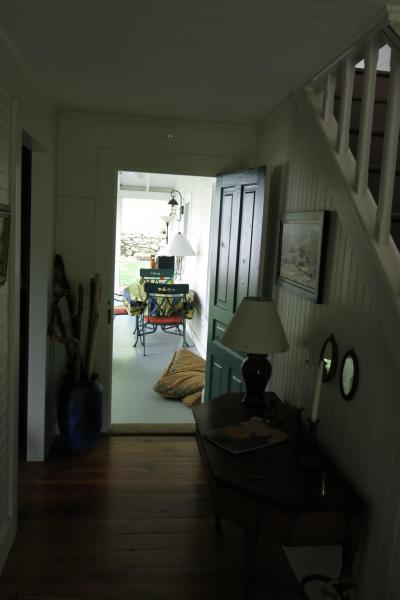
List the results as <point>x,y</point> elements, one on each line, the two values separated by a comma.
<point>237,239</point>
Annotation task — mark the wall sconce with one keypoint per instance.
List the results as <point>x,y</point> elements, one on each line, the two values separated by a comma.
<point>174,211</point>
<point>167,220</point>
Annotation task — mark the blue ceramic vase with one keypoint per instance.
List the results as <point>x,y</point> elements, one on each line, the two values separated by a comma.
<point>79,412</point>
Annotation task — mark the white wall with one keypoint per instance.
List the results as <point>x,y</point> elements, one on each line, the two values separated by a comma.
<point>362,435</point>
<point>91,150</point>
<point>22,108</point>
<point>201,191</point>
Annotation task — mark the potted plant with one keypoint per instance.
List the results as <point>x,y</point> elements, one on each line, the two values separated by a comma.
<point>80,394</point>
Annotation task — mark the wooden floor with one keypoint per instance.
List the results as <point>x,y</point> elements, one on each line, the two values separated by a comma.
<point>131,519</point>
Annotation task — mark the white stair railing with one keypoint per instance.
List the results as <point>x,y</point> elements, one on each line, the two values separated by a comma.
<point>344,72</point>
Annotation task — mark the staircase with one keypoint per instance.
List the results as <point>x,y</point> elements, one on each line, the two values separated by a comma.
<point>353,116</point>
<point>377,138</point>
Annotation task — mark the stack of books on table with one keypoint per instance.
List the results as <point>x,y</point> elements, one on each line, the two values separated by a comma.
<point>248,435</point>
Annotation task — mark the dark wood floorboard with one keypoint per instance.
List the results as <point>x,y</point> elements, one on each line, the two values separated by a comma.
<point>132,519</point>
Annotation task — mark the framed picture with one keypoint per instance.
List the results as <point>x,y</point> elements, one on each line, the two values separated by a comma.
<point>301,253</point>
<point>4,240</point>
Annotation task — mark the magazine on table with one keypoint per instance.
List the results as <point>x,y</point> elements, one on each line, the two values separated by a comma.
<point>246,436</point>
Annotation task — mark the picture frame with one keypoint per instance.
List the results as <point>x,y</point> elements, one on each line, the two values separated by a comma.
<point>5,217</point>
<point>302,252</point>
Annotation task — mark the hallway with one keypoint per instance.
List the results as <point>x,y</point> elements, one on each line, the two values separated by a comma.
<point>136,407</point>
<point>131,519</point>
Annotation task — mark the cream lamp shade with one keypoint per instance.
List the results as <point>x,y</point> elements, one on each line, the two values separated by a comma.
<point>256,328</point>
<point>179,246</point>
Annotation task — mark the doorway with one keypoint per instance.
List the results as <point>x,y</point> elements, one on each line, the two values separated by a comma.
<point>143,227</point>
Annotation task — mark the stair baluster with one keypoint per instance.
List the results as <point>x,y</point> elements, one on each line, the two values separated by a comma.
<point>389,157</point>
<point>342,142</point>
<point>367,112</point>
<point>329,95</point>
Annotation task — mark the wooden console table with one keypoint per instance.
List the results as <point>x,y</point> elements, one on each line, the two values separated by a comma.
<point>268,493</point>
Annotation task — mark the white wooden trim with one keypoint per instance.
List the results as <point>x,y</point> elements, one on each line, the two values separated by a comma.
<point>367,113</point>
<point>389,157</point>
<point>346,96</point>
<point>40,264</point>
<point>9,527</point>
<point>130,193</point>
<point>329,93</point>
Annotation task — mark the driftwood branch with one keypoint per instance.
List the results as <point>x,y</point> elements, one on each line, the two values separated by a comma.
<point>93,326</point>
<point>65,326</point>
<point>64,335</point>
<point>76,354</point>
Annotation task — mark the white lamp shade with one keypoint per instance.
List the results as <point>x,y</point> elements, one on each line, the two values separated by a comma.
<point>179,246</point>
<point>256,328</point>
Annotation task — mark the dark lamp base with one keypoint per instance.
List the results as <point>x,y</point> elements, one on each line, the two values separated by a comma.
<point>256,371</point>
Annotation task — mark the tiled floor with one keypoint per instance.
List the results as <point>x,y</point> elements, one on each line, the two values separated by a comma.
<point>133,398</point>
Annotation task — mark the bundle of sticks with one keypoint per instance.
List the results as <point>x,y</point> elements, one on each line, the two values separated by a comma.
<point>66,321</point>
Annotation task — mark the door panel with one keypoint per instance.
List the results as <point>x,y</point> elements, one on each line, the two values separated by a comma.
<point>227,242</point>
<point>236,242</point>
<point>246,230</point>
<point>216,376</point>
<point>235,383</point>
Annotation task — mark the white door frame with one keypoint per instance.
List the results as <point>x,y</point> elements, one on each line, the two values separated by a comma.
<point>109,162</point>
<point>42,188</point>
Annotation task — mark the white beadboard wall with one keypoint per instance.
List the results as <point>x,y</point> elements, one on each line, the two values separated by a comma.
<point>143,144</point>
<point>362,435</point>
<point>36,116</point>
<point>201,192</point>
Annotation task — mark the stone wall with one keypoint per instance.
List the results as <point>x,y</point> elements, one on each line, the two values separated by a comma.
<point>140,246</point>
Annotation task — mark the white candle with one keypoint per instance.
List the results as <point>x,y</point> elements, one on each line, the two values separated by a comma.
<point>317,392</point>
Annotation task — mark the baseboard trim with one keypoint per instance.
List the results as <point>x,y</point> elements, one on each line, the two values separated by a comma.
<point>151,428</point>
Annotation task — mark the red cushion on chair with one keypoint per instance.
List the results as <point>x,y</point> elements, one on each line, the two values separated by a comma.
<point>175,320</point>
<point>119,310</point>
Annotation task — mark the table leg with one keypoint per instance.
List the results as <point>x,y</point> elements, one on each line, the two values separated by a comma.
<point>251,566</point>
<point>350,545</point>
<point>136,331</point>
<point>217,523</point>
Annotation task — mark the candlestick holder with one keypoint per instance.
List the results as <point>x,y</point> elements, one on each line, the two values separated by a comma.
<point>296,440</point>
<point>298,411</point>
<point>310,460</point>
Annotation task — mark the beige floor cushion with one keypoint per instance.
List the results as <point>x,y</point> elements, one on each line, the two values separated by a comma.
<point>183,378</point>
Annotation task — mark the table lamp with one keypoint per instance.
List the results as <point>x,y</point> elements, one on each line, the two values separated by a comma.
<point>256,329</point>
<point>179,247</point>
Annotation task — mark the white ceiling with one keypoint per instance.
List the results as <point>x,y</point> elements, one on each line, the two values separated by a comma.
<point>206,60</point>
<point>148,182</point>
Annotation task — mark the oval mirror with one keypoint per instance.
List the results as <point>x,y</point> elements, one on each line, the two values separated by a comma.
<point>348,375</point>
<point>329,354</point>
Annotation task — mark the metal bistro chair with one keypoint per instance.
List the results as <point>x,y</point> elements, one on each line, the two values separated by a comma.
<point>150,276</point>
<point>157,275</point>
<point>166,308</point>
